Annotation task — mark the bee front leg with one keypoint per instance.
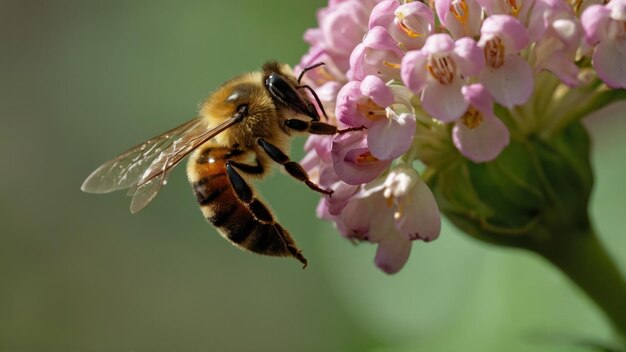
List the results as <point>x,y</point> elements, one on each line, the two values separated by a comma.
<point>318,127</point>
<point>293,168</point>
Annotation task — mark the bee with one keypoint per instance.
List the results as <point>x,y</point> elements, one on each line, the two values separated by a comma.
<point>242,128</point>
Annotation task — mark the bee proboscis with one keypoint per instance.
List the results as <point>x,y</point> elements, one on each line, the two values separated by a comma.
<point>241,129</point>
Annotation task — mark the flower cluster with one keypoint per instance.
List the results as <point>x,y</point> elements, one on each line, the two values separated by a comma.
<point>418,85</point>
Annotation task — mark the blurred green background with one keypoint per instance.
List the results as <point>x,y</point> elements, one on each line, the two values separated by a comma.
<point>82,80</point>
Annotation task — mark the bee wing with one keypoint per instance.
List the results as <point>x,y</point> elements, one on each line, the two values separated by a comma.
<point>145,167</point>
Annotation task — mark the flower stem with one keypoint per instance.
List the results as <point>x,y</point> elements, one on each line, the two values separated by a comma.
<point>587,263</point>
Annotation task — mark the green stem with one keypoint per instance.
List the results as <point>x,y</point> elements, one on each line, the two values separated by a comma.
<point>587,106</point>
<point>586,262</point>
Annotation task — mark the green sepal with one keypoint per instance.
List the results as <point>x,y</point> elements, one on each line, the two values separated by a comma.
<point>535,187</point>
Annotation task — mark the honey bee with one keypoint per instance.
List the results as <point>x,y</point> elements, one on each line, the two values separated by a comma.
<point>242,128</point>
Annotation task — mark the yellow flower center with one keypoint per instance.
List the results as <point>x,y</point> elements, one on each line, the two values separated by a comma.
<point>472,118</point>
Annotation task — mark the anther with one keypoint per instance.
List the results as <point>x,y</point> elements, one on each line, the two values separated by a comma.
<point>494,53</point>
<point>442,69</point>
<point>460,10</point>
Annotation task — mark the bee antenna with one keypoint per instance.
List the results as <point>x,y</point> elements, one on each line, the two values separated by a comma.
<point>309,68</point>
<point>317,99</point>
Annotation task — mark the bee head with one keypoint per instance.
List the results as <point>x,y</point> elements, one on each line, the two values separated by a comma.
<point>286,91</point>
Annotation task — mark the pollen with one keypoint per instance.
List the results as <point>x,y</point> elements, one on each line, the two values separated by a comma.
<point>472,118</point>
<point>443,69</point>
<point>371,110</point>
<point>494,53</point>
<point>460,10</point>
<point>366,158</point>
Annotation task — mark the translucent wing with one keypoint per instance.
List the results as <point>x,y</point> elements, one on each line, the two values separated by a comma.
<point>144,168</point>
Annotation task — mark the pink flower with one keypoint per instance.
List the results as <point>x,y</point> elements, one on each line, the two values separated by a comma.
<point>556,49</point>
<point>479,134</point>
<point>515,8</point>
<point>408,24</point>
<point>461,17</point>
<point>332,70</point>
<point>318,164</point>
<point>392,212</point>
<point>369,103</point>
<point>343,25</point>
<point>605,28</point>
<point>507,76</point>
<point>416,215</point>
<point>353,160</point>
<point>438,72</point>
<point>368,218</point>
<point>378,54</point>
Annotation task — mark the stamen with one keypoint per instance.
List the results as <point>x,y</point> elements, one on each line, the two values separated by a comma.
<point>371,110</point>
<point>443,69</point>
<point>403,27</point>
<point>514,7</point>
<point>460,10</point>
<point>366,158</point>
<point>472,118</point>
<point>494,52</point>
<point>391,64</point>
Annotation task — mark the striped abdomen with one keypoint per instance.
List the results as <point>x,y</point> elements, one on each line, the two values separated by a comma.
<point>219,204</point>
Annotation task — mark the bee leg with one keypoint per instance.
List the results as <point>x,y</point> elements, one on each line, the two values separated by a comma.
<point>259,211</point>
<point>318,127</point>
<point>248,169</point>
<point>245,195</point>
<point>293,168</point>
<point>313,127</point>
